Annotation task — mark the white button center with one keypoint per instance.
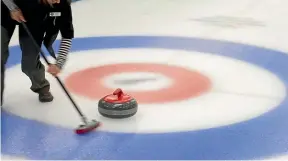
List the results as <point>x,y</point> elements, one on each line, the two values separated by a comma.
<point>137,81</point>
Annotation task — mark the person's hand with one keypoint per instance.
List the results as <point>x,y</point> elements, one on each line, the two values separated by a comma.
<point>50,2</point>
<point>17,16</point>
<point>53,69</point>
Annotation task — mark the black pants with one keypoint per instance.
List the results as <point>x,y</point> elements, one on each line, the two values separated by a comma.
<point>30,63</point>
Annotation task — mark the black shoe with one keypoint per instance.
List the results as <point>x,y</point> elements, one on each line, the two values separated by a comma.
<point>45,97</point>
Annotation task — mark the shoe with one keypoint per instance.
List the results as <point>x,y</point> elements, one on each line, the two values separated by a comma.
<point>45,97</point>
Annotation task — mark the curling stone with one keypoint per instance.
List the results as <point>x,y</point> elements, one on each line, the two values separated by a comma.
<point>117,105</point>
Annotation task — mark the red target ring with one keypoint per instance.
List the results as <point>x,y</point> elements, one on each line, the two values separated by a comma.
<point>186,83</point>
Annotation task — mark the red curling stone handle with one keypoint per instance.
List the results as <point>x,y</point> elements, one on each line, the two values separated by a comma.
<point>119,93</point>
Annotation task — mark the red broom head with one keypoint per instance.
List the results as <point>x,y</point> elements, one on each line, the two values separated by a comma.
<point>83,129</point>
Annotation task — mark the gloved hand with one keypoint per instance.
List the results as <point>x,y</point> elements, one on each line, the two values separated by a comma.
<point>53,70</point>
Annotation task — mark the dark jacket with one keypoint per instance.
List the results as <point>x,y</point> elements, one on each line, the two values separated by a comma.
<point>43,19</point>
<point>58,19</point>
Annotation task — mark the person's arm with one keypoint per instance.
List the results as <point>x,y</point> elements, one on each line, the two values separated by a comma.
<point>15,12</point>
<point>10,5</point>
<point>63,52</point>
<point>67,33</point>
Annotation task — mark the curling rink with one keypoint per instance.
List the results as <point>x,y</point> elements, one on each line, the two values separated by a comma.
<point>210,77</point>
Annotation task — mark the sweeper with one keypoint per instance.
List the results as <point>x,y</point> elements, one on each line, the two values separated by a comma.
<point>41,21</point>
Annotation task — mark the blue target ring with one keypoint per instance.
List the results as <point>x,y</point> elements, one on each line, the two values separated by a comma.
<point>253,139</point>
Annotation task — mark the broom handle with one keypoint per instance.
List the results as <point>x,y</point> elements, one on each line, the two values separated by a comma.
<point>57,78</point>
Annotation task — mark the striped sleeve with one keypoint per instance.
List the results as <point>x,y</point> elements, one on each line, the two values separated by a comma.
<point>10,4</point>
<point>63,52</point>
